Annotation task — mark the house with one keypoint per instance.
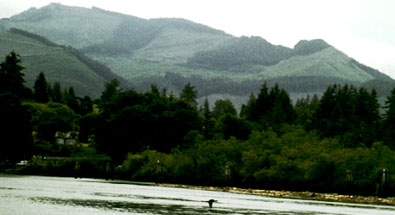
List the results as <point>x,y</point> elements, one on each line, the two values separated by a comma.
<point>66,138</point>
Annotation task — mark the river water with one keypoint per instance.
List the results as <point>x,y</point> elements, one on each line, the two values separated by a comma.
<point>36,195</point>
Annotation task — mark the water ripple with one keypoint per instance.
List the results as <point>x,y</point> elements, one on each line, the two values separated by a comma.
<point>144,208</point>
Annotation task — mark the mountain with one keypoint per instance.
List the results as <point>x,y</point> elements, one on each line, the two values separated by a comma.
<point>60,63</point>
<point>172,52</point>
<point>241,53</point>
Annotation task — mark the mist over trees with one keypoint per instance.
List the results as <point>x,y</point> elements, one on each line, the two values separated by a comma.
<point>271,144</point>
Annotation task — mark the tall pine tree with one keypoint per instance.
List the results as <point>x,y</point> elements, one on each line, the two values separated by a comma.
<point>41,89</point>
<point>348,113</point>
<point>271,108</point>
<point>15,127</point>
<point>57,95</point>
<point>208,122</point>
<point>389,121</point>
<point>189,94</point>
<point>11,76</point>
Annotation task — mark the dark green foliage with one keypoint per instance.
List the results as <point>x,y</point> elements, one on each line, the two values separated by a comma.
<point>282,110</point>
<point>258,108</point>
<point>11,76</point>
<point>270,109</point>
<point>297,160</point>
<point>304,109</point>
<point>49,118</point>
<point>42,90</point>
<point>56,93</point>
<point>124,132</point>
<point>232,126</point>
<point>111,92</point>
<point>71,100</point>
<point>86,105</point>
<point>389,121</point>
<point>367,116</point>
<point>314,145</point>
<point>133,121</point>
<point>223,108</point>
<point>348,113</point>
<point>88,124</point>
<point>15,129</point>
<point>189,94</point>
<point>208,121</point>
<point>248,109</point>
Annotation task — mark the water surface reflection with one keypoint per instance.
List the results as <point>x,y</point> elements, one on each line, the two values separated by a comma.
<point>53,195</point>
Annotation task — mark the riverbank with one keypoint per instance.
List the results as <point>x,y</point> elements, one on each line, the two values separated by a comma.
<point>295,195</point>
<point>269,193</point>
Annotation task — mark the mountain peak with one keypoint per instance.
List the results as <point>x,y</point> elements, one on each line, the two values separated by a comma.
<point>34,15</point>
<point>146,50</point>
<point>307,47</point>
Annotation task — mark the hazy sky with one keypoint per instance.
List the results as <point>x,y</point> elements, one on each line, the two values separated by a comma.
<point>363,29</point>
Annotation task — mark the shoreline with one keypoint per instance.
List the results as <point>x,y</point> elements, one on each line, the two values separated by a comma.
<point>330,197</point>
<point>306,195</point>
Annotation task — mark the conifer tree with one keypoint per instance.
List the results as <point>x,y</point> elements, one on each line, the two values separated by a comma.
<point>189,94</point>
<point>155,90</point>
<point>270,109</point>
<point>261,107</point>
<point>57,95</point>
<point>208,123</point>
<point>247,110</point>
<point>389,121</point>
<point>111,91</point>
<point>41,89</point>
<point>11,76</point>
<point>348,113</point>
<point>71,100</point>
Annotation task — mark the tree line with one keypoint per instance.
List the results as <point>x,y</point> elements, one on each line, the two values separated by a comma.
<point>314,144</point>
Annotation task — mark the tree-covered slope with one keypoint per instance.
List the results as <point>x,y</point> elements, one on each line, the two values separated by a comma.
<point>241,52</point>
<point>328,62</point>
<point>155,51</point>
<point>60,64</point>
<point>98,31</point>
<point>72,26</point>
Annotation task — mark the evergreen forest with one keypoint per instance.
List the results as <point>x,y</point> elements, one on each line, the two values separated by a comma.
<point>340,142</point>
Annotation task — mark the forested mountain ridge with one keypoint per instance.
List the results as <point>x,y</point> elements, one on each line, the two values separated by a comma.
<point>63,64</point>
<point>172,52</point>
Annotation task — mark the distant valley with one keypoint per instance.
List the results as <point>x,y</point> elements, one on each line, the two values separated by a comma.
<point>88,47</point>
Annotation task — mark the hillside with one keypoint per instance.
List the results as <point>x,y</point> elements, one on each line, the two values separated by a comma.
<point>59,63</point>
<point>241,53</point>
<point>173,52</point>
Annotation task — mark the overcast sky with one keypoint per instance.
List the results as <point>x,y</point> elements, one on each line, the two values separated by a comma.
<point>363,29</point>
